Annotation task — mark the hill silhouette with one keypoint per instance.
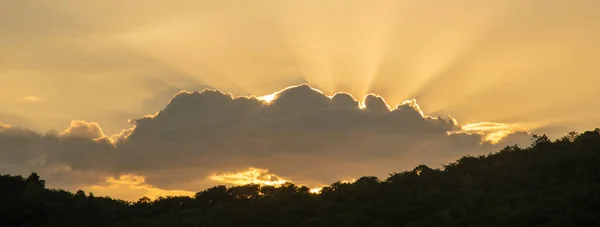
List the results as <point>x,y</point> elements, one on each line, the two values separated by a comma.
<point>550,183</point>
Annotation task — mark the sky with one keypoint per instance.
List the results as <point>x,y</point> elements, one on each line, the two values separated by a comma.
<point>109,96</point>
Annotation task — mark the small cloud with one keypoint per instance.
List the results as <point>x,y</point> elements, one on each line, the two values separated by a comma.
<point>250,176</point>
<point>4,126</point>
<point>30,99</point>
<point>494,132</point>
<point>261,177</point>
<point>83,129</point>
<point>132,187</point>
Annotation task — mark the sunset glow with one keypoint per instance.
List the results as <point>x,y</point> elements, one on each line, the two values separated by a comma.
<point>250,176</point>
<point>132,187</point>
<point>494,132</point>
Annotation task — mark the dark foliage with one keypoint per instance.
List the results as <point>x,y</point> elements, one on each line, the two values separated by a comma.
<point>550,183</point>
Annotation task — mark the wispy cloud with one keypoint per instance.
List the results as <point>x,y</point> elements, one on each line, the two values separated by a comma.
<point>30,99</point>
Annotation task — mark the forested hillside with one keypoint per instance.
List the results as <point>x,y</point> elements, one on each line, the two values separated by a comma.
<point>550,183</point>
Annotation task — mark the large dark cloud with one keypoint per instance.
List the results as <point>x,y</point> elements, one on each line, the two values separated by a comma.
<point>302,135</point>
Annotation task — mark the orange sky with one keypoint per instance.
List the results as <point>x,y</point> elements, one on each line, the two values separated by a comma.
<point>495,67</point>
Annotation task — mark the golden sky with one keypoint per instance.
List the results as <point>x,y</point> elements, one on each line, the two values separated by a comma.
<point>495,67</point>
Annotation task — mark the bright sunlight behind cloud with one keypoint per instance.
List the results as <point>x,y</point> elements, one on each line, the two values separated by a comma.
<point>302,135</point>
